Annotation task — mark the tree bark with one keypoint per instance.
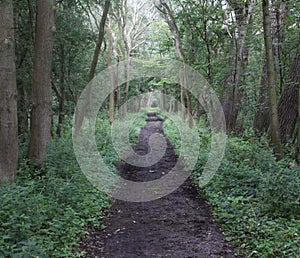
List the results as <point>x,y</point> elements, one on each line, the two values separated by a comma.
<point>40,123</point>
<point>274,123</point>
<point>8,95</point>
<point>288,104</point>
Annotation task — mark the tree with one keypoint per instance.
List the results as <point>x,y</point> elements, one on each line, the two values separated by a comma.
<point>100,40</point>
<point>111,72</point>
<point>279,13</point>
<point>274,123</point>
<point>298,134</point>
<point>40,123</point>
<point>80,113</point>
<point>288,104</point>
<point>133,19</point>
<point>233,94</point>
<point>8,94</point>
<point>73,46</point>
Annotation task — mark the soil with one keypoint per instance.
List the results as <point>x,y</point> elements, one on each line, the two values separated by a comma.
<point>178,225</point>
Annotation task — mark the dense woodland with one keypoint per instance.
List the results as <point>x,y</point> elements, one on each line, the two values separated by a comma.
<point>248,51</point>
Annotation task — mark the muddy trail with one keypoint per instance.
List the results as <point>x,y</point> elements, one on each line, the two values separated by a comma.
<point>177,225</point>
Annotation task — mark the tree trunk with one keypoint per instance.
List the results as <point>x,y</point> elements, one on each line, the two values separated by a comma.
<point>111,74</point>
<point>298,134</point>
<point>124,109</point>
<point>118,90</point>
<point>278,16</point>
<point>261,120</point>
<point>23,107</point>
<point>8,95</point>
<point>40,123</point>
<point>232,98</point>
<point>80,113</point>
<point>170,19</point>
<point>288,104</point>
<point>274,124</point>
<point>100,40</point>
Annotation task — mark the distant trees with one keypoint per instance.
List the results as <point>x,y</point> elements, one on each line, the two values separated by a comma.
<point>8,94</point>
<point>185,95</point>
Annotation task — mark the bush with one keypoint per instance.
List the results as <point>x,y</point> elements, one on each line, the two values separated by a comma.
<point>46,211</point>
<point>279,193</point>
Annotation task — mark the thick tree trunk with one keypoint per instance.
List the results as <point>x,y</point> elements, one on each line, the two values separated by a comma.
<point>288,104</point>
<point>274,124</point>
<point>8,95</point>
<point>40,123</point>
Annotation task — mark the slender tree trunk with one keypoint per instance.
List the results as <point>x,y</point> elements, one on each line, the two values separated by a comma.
<point>261,120</point>
<point>278,16</point>
<point>100,40</point>
<point>124,111</point>
<point>40,131</point>
<point>170,19</point>
<point>81,113</point>
<point>61,95</point>
<point>111,74</point>
<point>274,124</point>
<point>298,134</point>
<point>233,95</point>
<point>8,95</point>
<point>118,90</point>
<point>23,107</point>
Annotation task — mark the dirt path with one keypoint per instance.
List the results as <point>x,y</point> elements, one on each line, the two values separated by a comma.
<point>178,225</point>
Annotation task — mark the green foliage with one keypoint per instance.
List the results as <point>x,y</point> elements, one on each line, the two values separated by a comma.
<point>279,193</point>
<point>46,211</point>
<point>254,197</point>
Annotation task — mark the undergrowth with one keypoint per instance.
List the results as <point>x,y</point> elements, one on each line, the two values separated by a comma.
<point>47,210</point>
<point>255,198</point>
